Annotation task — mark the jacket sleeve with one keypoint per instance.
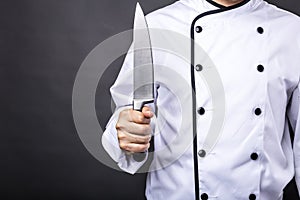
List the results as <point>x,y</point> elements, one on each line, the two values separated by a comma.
<point>122,94</point>
<point>294,119</point>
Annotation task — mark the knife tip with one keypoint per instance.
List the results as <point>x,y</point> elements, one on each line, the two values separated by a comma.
<point>138,6</point>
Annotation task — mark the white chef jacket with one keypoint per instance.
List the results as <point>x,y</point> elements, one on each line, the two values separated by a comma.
<point>255,47</point>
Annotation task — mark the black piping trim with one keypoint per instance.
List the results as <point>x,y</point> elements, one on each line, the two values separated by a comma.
<point>195,154</point>
<point>291,130</point>
<point>215,4</point>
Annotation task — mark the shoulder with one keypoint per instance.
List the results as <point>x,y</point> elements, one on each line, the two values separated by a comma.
<point>171,10</point>
<point>284,25</point>
<point>280,15</point>
<point>180,12</point>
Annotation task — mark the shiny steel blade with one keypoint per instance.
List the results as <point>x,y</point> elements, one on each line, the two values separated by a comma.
<point>143,79</point>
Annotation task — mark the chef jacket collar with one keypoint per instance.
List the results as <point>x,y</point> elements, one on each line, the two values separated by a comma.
<point>245,6</point>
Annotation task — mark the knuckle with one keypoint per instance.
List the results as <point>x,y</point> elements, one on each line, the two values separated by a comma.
<point>140,148</point>
<point>118,125</point>
<point>146,139</point>
<point>145,147</point>
<point>123,145</point>
<point>121,135</point>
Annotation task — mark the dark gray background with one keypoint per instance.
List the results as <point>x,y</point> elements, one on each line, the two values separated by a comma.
<point>42,44</point>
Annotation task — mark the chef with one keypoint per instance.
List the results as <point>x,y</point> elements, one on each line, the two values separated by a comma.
<point>255,48</point>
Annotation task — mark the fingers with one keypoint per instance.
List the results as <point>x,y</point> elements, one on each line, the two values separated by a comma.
<point>132,138</point>
<point>134,130</point>
<point>134,148</point>
<point>134,143</point>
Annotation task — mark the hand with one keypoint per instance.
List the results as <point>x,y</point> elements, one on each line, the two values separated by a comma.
<point>134,130</point>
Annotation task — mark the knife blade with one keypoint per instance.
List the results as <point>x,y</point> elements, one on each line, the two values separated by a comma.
<point>143,73</point>
<point>143,70</point>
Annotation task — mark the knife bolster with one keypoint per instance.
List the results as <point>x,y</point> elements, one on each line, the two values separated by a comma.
<point>138,104</point>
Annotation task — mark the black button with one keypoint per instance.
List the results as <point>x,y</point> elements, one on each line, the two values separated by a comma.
<point>202,153</point>
<point>257,111</point>
<point>260,30</point>
<point>201,111</point>
<point>199,67</point>
<point>254,156</point>
<point>252,197</point>
<point>204,196</point>
<point>260,68</point>
<point>198,29</point>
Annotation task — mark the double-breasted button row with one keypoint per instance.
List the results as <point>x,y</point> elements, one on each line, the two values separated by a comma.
<point>201,111</point>
<point>260,68</point>
<point>204,196</point>
<point>199,29</point>
<point>199,67</point>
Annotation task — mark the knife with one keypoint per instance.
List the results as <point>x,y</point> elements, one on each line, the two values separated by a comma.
<point>143,72</point>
